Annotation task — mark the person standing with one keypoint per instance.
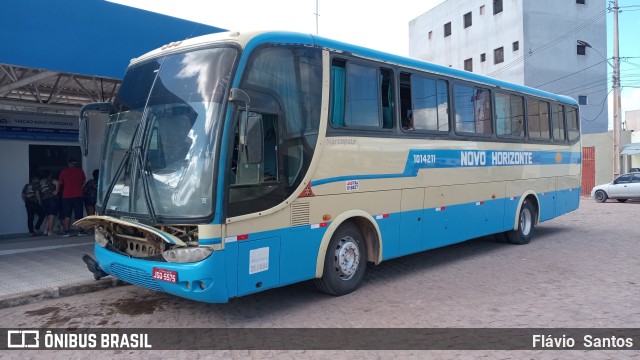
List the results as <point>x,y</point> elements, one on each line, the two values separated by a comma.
<point>90,190</point>
<point>49,200</point>
<point>31,198</point>
<point>71,179</point>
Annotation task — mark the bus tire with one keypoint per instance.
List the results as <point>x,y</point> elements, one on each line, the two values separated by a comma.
<point>526,221</point>
<point>345,261</point>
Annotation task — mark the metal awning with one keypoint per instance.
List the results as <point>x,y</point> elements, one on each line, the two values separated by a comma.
<point>630,149</point>
<point>59,55</point>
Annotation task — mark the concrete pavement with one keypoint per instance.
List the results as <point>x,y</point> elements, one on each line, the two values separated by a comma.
<point>42,267</point>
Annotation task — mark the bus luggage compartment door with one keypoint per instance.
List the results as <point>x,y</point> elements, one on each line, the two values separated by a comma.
<point>411,220</point>
<point>258,265</point>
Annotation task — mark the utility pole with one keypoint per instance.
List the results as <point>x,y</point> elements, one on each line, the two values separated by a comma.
<point>317,14</point>
<point>617,107</point>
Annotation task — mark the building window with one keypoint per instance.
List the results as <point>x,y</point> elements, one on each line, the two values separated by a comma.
<point>580,2</point>
<point>468,65</point>
<point>498,55</point>
<point>447,29</point>
<point>516,45</point>
<point>482,10</point>
<point>497,6</point>
<point>582,100</point>
<point>582,50</point>
<point>483,57</point>
<point>430,34</point>
<point>467,20</point>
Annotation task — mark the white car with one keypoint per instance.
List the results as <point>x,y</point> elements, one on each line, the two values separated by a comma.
<point>623,188</point>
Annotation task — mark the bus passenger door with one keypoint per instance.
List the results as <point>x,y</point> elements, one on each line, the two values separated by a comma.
<point>411,220</point>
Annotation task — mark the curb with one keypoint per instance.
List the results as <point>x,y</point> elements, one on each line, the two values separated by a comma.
<point>58,292</point>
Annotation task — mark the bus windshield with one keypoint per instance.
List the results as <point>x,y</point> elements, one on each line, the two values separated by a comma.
<point>158,159</point>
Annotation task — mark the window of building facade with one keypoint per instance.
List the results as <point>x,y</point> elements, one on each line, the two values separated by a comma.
<point>430,34</point>
<point>447,29</point>
<point>483,57</point>
<point>583,100</point>
<point>468,64</point>
<point>482,10</point>
<point>582,50</point>
<point>516,45</point>
<point>467,19</point>
<point>498,55</point>
<point>497,6</point>
<point>580,2</point>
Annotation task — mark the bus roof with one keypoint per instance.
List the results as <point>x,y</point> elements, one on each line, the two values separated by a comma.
<point>251,40</point>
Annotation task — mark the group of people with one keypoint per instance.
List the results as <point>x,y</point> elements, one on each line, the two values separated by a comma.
<point>46,197</point>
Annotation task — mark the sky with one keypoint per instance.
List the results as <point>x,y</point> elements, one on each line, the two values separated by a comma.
<point>375,24</point>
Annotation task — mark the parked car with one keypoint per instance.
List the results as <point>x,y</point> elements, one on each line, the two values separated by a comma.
<point>625,187</point>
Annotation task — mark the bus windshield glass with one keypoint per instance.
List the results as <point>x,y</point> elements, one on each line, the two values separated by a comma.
<point>158,159</point>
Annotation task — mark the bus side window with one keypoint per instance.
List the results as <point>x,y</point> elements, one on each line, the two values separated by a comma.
<point>430,104</point>
<point>509,115</point>
<point>387,96</point>
<point>356,95</point>
<point>538,119</point>
<point>558,122</point>
<point>573,129</point>
<point>338,89</point>
<point>472,109</point>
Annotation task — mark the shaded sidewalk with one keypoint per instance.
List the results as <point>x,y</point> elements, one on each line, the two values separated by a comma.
<point>41,267</point>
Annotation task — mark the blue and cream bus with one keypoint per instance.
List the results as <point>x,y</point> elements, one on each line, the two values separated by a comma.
<point>238,162</point>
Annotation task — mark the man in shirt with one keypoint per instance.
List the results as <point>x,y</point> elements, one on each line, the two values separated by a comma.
<point>71,179</point>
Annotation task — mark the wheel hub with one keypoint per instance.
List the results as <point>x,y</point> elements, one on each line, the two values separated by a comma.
<point>526,221</point>
<point>347,258</point>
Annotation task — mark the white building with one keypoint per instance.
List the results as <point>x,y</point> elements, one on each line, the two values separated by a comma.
<point>557,46</point>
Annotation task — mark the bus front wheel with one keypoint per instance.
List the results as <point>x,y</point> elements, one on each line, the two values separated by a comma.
<point>345,261</point>
<point>526,221</point>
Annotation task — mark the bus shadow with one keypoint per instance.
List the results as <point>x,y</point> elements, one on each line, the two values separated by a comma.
<point>267,304</point>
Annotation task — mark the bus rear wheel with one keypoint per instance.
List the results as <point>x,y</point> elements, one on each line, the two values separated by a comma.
<point>526,221</point>
<point>345,262</point>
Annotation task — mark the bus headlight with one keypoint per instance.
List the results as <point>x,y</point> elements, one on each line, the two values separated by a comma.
<point>186,255</point>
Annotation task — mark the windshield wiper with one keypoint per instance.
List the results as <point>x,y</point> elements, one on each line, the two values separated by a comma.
<point>125,159</point>
<point>145,184</point>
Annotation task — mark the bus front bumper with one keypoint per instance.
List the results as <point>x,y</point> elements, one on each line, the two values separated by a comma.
<point>201,281</point>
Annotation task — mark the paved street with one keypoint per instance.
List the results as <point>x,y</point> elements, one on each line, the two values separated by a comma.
<point>581,270</point>
<point>32,263</point>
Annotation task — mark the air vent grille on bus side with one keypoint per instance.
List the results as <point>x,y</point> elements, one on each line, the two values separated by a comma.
<point>300,214</point>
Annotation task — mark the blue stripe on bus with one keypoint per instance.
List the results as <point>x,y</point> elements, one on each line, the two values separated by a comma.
<point>293,251</point>
<point>439,159</point>
<point>209,241</point>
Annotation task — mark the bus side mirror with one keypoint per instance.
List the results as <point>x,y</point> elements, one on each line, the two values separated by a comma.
<point>254,139</point>
<point>83,126</point>
<point>239,96</point>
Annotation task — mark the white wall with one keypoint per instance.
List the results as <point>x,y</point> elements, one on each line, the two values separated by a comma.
<point>487,32</point>
<point>14,162</point>
<point>548,69</point>
<point>535,24</point>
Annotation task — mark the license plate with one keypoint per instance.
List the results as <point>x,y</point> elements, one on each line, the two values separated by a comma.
<point>165,275</point>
